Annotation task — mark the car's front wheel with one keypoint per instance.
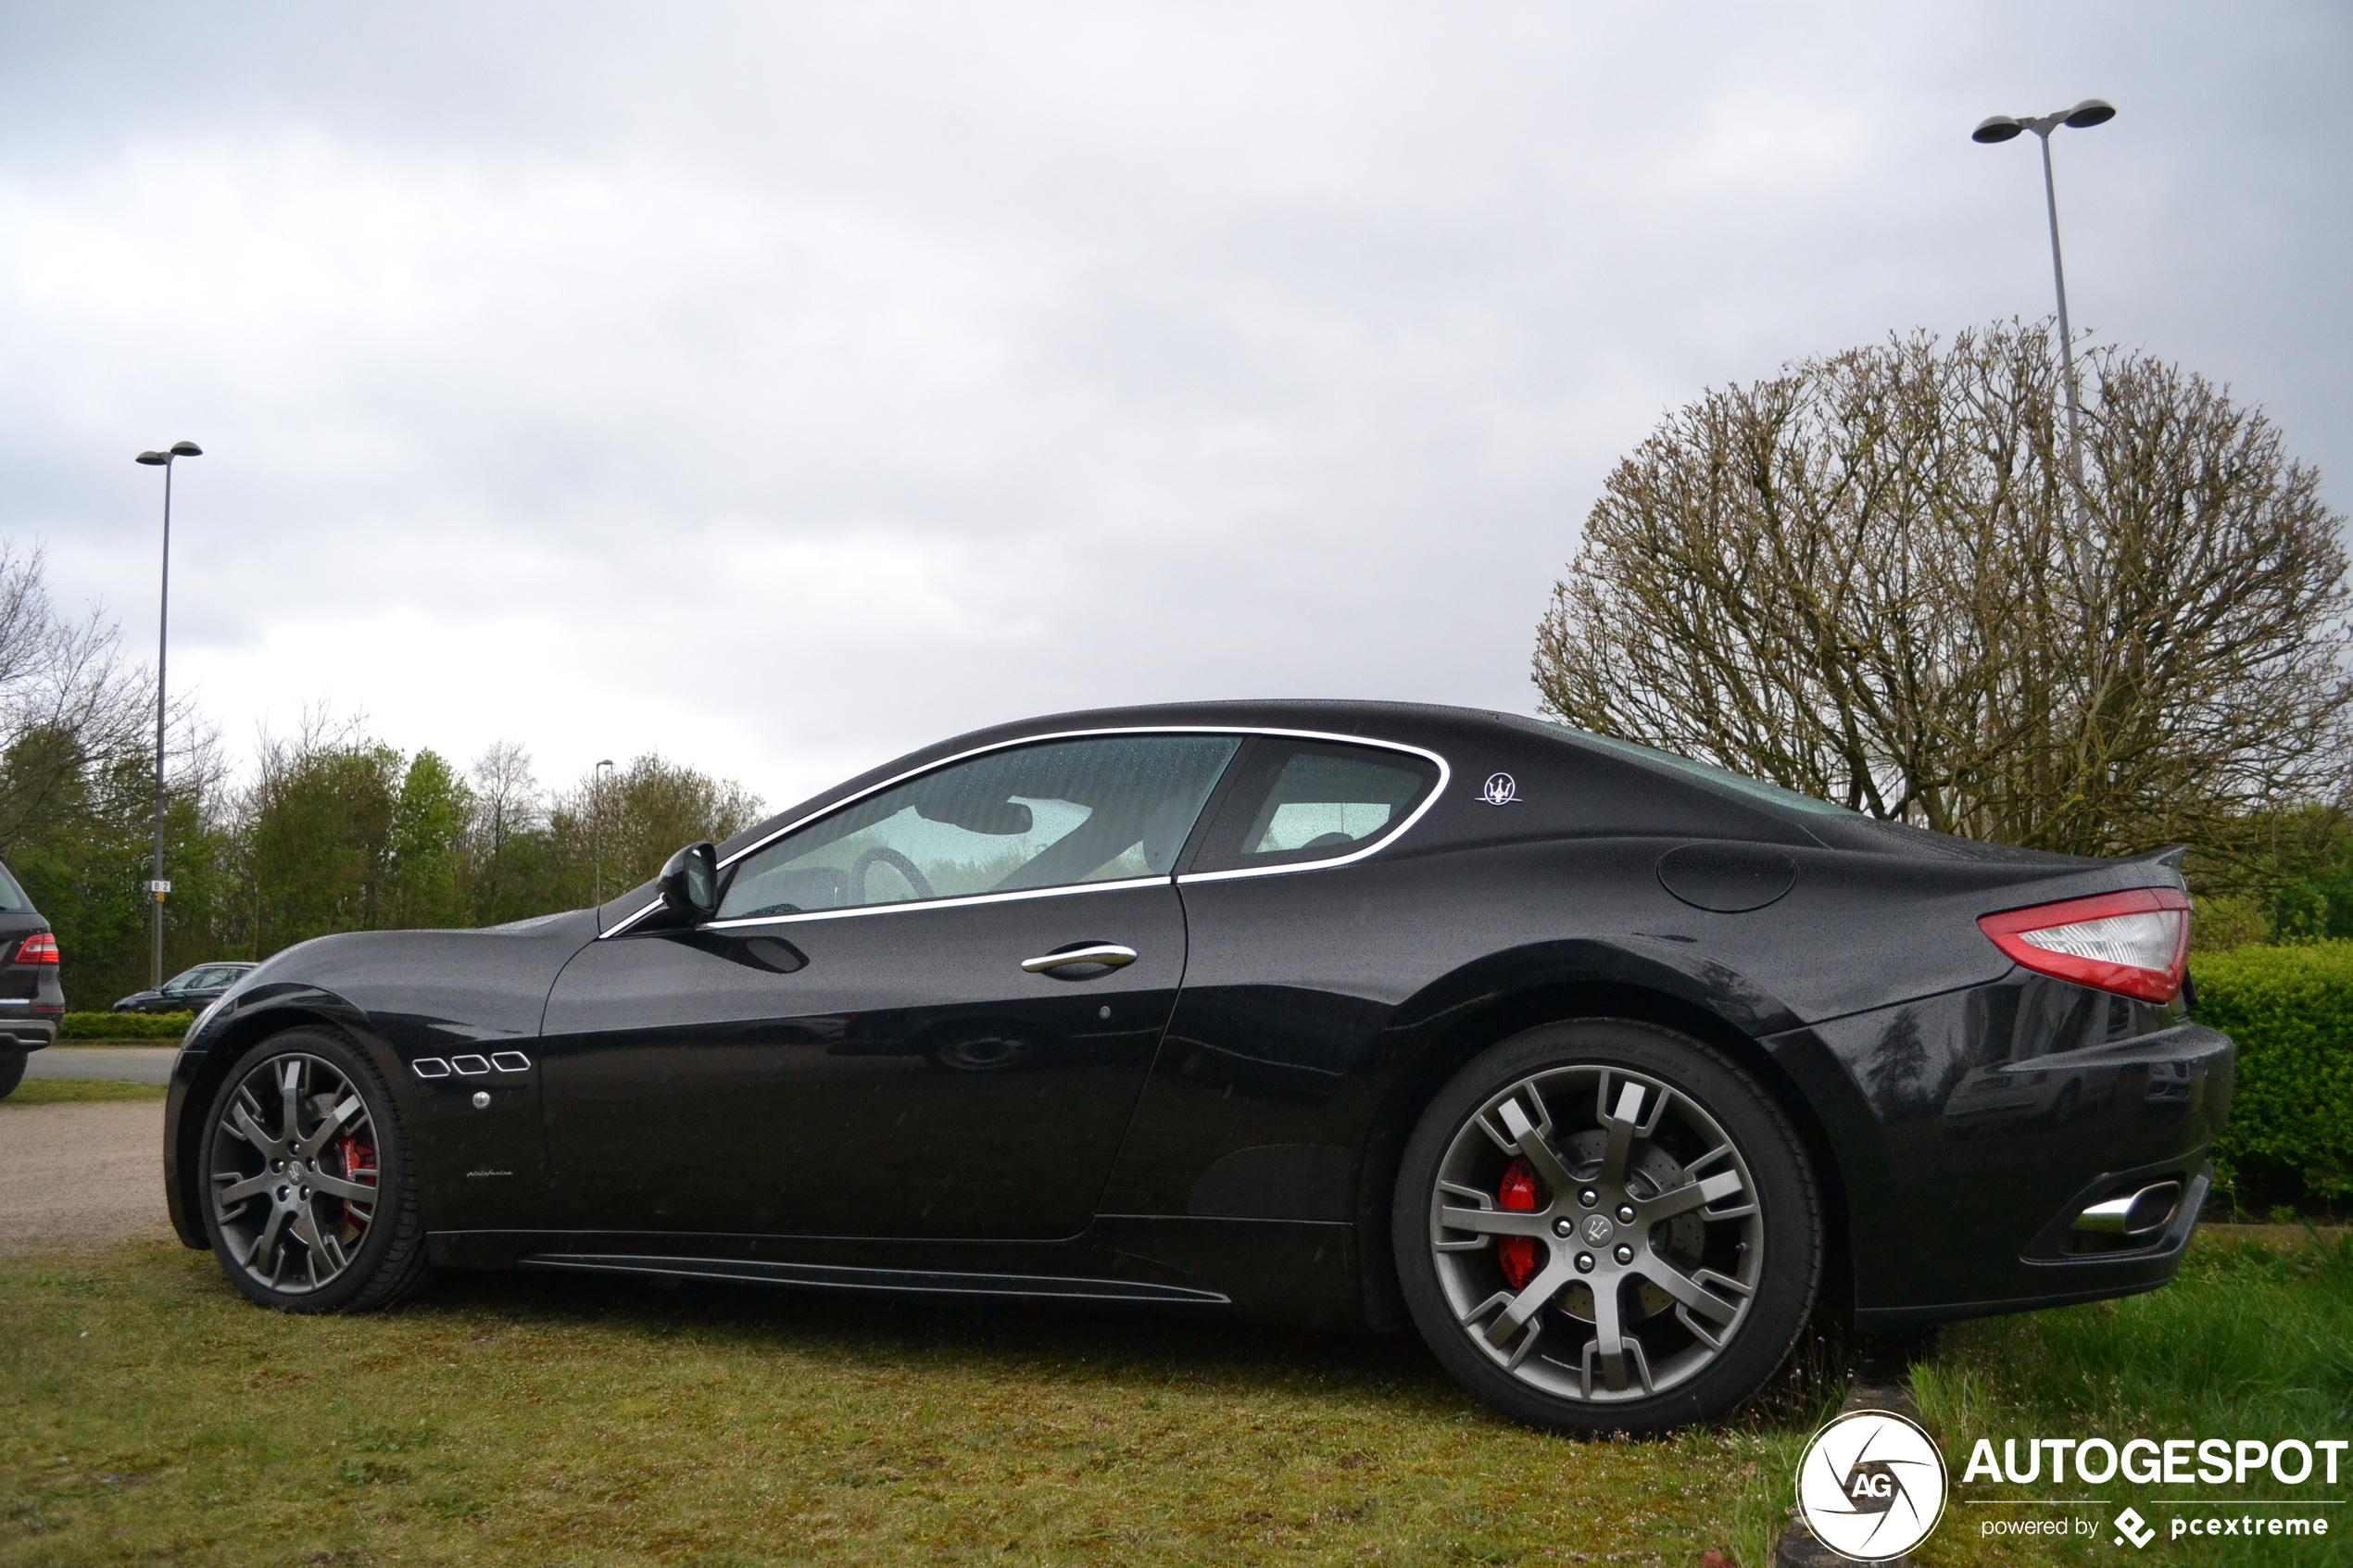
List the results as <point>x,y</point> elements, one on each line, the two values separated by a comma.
<point>308,1195</point>
<point>1605,1225</point>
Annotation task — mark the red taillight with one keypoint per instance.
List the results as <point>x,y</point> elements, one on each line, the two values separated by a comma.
<point>41,949</point>
<point>1518,1254</point>
<point>2137,944</point>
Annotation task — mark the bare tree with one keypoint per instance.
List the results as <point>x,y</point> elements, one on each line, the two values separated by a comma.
<point>1869,579</point>
<point>68,705</point>
<point>508,800</point>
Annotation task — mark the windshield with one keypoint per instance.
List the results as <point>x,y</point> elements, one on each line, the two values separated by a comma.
<point>1756,789</point>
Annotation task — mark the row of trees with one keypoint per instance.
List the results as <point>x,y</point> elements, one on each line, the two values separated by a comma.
<point>1886,578</point>
<point>332,830</point>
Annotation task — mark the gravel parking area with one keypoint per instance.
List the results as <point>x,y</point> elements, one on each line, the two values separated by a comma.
<point>80,1174</point>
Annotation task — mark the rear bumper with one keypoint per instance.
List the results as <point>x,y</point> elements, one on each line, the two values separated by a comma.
<point>27,1031</point>
<point>2068,1282</point>
<point>1966,1144</point>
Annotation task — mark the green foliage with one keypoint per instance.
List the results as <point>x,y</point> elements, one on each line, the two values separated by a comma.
<point>2250,1339</point>
<point>2291,1011</point>
<point>79,1091</point>
<point>149,1414</point>
<point>339,831</point>
<point>335,831</point>
<point>427,848</point>
<point>84,858</point>
<point>125,1025</point>
<point>2221,923</point>
<point>317,845</point>
<point>620,831</point>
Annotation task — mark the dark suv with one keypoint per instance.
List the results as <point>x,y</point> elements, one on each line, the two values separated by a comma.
<point>31,1000</point>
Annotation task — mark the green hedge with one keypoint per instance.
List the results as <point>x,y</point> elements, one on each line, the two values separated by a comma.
<point>125,1025</point>
<point>2291,1011</point>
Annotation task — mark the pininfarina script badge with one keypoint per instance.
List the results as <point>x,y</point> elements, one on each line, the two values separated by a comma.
<point>1501,790</point>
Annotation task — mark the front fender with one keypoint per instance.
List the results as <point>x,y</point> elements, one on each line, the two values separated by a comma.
<point>449,997</point>
<point>223,1033</point>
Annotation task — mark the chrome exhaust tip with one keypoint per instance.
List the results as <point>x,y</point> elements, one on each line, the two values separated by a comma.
<point>2136,1214</point>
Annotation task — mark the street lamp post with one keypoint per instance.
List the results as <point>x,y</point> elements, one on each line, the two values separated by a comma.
<point>597,825</point>
<point>157,887</point>
<point>2002,127</point>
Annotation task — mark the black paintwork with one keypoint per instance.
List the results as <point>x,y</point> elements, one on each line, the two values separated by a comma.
<point>889,1103</point>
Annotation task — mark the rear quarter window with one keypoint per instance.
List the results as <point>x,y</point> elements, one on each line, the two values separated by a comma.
<point>1297,802</point>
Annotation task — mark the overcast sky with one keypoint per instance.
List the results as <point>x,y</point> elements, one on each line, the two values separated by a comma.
<point>782,387</point>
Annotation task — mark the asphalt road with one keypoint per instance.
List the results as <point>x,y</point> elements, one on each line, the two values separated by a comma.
<point>80,1174</point>
<point>120,1064</point>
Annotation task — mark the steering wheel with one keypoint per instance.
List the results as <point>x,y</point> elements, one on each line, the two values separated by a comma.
<point>896,862</point>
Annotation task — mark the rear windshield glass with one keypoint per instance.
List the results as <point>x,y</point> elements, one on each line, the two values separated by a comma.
<point>12,898</point>
<point>1756,789</point>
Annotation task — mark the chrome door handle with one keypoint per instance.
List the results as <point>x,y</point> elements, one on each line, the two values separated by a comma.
<point>1110,955</point>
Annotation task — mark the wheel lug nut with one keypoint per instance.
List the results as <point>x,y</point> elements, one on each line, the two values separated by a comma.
<point>1625,1213</point>
<point>1563,1226</point>
<point>1589,1197</point>
<point>1584,1262</point>
<point>1624,1254</point>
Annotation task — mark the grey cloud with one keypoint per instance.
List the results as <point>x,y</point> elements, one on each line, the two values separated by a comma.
<point>785,386</point>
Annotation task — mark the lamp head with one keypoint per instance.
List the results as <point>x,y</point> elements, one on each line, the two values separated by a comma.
<point>2090,112</point>
<point>190,449</point>
<point>153,460</point>
<point>1995,127</point>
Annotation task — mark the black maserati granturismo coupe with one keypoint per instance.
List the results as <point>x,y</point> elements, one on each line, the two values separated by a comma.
<point>1599,1067</point>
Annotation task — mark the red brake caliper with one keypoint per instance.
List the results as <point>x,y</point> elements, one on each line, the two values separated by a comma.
<point>359,1165</point>
<point>1518,1254</point>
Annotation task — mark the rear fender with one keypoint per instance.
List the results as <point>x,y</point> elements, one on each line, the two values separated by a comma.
<point>1484,1003</point>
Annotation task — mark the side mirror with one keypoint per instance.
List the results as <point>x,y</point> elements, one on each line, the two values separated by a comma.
<point>690,885</point>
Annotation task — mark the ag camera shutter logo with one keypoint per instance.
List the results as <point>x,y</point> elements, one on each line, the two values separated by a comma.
<point>1871,1485</point>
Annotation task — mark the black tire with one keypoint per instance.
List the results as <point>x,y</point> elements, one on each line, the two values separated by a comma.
<point>1755,1251</point>
<point>11,1072</point>
<point>385,1258</point>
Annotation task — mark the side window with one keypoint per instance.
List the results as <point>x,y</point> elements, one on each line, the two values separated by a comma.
<point>1041,816</point>
<point>1301,801</point>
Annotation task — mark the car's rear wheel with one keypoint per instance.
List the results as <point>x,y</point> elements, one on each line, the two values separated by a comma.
<point>308,1195</point>
<point>1605,1225</point>
<point>11,1072</point>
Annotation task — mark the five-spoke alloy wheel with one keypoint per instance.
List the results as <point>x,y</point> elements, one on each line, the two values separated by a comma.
<point>1605,1225</point>
<point>307,1197</point>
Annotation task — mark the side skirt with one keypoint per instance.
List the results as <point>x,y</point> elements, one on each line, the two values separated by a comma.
<point>882,1281</point>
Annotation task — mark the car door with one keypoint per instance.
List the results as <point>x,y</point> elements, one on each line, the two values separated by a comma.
<point>885,1031</point>
<point>1292,967</point>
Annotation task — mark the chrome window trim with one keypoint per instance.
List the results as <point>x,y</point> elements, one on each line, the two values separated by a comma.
<point>957,903</point>
<point>1445,776</point>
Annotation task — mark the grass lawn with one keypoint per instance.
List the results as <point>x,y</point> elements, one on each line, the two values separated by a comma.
<point>2252,1339</point>
<point>77,1091</point>
<point>148,1414</point>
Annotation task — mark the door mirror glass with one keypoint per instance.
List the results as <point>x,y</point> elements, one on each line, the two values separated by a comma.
<point>690,885</point>
<point>1056,814</point>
